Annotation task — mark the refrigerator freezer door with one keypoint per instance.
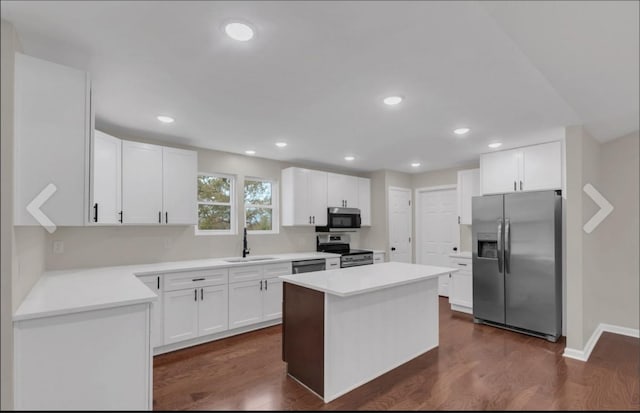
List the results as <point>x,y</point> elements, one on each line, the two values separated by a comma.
<point>532,271</point>
<point>488,278</point>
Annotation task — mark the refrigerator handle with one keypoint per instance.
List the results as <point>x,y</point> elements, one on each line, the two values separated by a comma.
<point>507,246</point>
<point>500,245</point>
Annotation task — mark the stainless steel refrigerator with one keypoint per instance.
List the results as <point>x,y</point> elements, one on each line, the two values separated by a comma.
<point>517,262</point>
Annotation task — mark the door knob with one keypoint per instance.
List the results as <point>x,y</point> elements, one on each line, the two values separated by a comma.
<point>393,248</point>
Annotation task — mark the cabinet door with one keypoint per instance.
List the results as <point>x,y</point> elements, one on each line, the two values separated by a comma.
<point>157,335</point>
<point>245,303</point>
<point>342,190</point>
<point>52,124</point>
<point>180,186</point>
<point>364,200</point>
<point>378,257</point>
<point>499,172</point>
<point>461,289</point>
<point>105,186</point>
<point>468,187</point>
<point>295,197</point>
<point>317,201</point>
<point>272,299</point>
<point>141,183</point>
<point>443,285</point>
<point>541,167</point>
<point>180,315</point>
<point>213,307</point>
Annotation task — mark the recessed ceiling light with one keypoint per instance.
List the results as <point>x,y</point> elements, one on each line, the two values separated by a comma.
<point>495,145</point>
<point>415,164</point>
<point>239,31</point>
<point>349,158</point>
<point>461,131</point>
<point>165,119</point>
<point>281,144</point>
<point>250,152</point>
<point>392,100</point>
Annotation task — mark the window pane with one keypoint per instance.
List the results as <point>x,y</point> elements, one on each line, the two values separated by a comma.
<point>257,192</point>
<point>214,188</point>
<point>214,217</point>
<point>259,219</point>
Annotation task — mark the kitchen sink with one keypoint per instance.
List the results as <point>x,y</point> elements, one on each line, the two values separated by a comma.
<point>250,259</point>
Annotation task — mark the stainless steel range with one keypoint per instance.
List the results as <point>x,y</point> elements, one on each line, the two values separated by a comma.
<point>339,244</point>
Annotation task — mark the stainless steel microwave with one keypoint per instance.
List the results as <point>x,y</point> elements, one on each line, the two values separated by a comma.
<point>340,219</point>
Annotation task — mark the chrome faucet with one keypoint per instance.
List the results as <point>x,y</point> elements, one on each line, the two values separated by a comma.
<point>245,250</point>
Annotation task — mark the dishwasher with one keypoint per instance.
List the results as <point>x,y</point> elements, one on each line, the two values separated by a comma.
<point>298,267</point>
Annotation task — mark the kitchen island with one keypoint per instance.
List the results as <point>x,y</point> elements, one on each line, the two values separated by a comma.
<point>345,327</point>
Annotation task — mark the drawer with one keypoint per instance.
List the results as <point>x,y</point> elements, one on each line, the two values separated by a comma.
<point>248,273</point>
<point>198,278</point>
<point>462,263</point>
<point>332,263</point>
<point>274,270</point>
<point>378,258</point>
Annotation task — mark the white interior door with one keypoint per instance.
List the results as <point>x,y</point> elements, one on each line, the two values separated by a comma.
<point>400,223</point>
<point>437,230</point>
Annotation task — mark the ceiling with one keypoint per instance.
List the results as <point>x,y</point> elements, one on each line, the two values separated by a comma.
<point>315,74</point>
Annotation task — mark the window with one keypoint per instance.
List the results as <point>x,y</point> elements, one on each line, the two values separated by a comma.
<point>260,205</point>
<point>215,204</point>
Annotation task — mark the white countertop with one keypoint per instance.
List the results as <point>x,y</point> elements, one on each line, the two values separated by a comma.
<point>345,282</point>
<point>461,254</point>
<point>85,289</point>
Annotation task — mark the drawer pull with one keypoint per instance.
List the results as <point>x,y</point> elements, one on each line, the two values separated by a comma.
<point>464,265</point>
<point>197,279</point>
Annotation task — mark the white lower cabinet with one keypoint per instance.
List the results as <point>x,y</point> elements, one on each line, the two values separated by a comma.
<point>378,257</point>
<point>199,309</point>
<point>154,282</point>
<point>443,285</point>
<point>461,285</point>
<point>256,300</point>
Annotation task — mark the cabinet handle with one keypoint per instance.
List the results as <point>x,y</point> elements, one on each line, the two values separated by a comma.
<point>166,217</point>
<point>159,217</point>
<point>266,285</point>
<point>202,294</point>
<point>195,295</point>
<point>95,214</point>
<point>314,219</point>
<point>197,279</point>
<point>309,219</point>
<point>514,186</point>
<point>158,282</point>
<point>521,185</point>
<point>464,265</point>
<point>260,285</point>
<point>121,217</point>
<point>458,219</point>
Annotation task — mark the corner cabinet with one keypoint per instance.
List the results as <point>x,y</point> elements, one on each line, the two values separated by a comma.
<point>364,201</point>
<point>304,197</point>
<point>530,168</point>
<point>468,187</point>
<point>53,121</point>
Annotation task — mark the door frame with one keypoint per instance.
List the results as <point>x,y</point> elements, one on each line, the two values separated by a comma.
<point>411,224</point>
<point>416,217</point>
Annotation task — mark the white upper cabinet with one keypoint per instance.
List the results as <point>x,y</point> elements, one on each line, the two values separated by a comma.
<point>468,187</point>
<point>541,167</point>
<point>342,190</point>
<point>53,124</point>
<point>180,186</point>
<point>530,168</point>
<point>106,179</point>
<point>141,183</point>
<point>304,197</point>
<point>499,172</point>
<point>364,200</point>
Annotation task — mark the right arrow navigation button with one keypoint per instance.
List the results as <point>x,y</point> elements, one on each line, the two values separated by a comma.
<point>605,208</point>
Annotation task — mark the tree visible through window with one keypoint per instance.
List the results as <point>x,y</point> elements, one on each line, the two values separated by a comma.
<point>215,203</point>
<point>259,201</point>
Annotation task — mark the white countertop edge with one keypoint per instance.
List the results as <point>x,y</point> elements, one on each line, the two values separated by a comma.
<point>80,309</point>
<point>300,281</point>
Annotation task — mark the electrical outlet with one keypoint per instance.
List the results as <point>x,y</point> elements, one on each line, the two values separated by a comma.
<point>58,247</point>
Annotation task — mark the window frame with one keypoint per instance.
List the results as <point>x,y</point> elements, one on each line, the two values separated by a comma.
<point>275,207</point>
<point>233,230</point>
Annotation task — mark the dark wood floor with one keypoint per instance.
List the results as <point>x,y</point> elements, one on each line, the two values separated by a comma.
<point>475,367</point>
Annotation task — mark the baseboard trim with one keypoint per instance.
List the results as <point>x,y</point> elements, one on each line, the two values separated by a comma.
<point>583,355</point>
